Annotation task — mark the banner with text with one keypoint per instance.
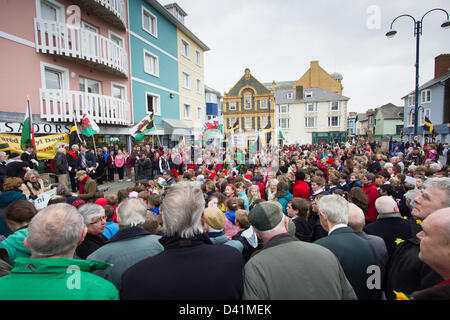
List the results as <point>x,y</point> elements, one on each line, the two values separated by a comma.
<point>46,146</point>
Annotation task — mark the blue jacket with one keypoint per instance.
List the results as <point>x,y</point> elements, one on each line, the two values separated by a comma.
<point>243,195</point>
<point>284,201</point>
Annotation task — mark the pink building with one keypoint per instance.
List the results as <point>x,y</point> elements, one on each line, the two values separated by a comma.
<point>70,58</point>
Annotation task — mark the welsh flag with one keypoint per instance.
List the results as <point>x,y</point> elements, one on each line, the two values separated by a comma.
<point>88,126</point>
<point>144,126</point>
<point>213,128</point>
<point>281,135</point>
<point>27,128</point>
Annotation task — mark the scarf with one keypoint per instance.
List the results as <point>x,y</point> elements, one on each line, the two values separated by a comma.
<point>81,185</point>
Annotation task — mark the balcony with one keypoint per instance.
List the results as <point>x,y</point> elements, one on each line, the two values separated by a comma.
<point>62,105</point>
<point>82,45</point>
<point>112,11</point>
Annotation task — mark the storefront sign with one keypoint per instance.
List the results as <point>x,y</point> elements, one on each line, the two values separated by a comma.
<point>39,128</point>
<point>46,146</point>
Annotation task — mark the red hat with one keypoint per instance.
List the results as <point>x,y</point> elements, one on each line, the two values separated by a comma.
<point>330,160</point>
<point>101,202</point>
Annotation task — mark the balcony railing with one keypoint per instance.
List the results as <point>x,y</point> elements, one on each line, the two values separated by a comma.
<point>112,11</point>
<point>61,39</point>
<point>62,105</point>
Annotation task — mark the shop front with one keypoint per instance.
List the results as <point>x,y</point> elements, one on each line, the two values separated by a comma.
<point>328,137</point>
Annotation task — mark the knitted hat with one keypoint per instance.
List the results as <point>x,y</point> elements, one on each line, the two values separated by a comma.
<point>78,203</point>
<point>265,216</point>
<point>215,218</point>
<point>101,202</point>
<point>79,174</point>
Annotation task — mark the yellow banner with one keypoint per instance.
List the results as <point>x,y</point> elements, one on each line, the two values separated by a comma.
<point>46,146</point>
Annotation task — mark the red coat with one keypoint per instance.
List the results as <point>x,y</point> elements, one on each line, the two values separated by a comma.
<point>301,190</point>
<point>372,194</point>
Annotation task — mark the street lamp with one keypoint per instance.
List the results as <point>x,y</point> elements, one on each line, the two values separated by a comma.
<point>417,33</point>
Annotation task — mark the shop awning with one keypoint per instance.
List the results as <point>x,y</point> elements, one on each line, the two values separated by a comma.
<point>176,127</point>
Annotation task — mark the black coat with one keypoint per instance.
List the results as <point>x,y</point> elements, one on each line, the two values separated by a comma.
<point>390,229</point>
<point>187,269</point>
<point>27,157</point>
<point>89,245</point>
<point>16,169</point>
<point>90,160</point>
<point>60,164</point>
<point>407,273</point>
<point>2,174</point>
<point>303,230</point>
<point>145,167</point>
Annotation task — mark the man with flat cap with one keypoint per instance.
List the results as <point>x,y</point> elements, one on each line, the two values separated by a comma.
<point>290,269</point>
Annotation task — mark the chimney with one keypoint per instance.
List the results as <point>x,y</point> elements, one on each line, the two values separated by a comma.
<point>299,92</point>
<point>441,65</point>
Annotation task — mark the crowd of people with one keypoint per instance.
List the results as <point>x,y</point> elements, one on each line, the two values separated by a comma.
<point>321,222</point>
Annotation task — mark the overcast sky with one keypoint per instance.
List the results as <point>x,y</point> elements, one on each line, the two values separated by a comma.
<point>277,39</point>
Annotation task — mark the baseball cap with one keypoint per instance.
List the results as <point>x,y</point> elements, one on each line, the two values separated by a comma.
<point>265,216</point>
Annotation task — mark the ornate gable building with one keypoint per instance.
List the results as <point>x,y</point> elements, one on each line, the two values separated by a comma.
<point>250,102</point>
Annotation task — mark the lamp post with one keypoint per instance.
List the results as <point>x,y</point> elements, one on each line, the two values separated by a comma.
<point>417,34</point>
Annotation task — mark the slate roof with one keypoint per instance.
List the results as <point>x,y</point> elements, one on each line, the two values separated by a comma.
<point>390,111</point>
<point>259,87</point>
<point>318,95</point>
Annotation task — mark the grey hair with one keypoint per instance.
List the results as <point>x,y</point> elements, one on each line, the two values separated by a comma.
<point>412,194</point>
<point>385,204</point>
<point>33,172</point>
<point>132,212</point>
<point>2,153</point>
<point>182,210</point>
<point>356,218</point>
<point>55,230</point>
<point>61,190</point>
<point>89,211</point>
<point>440,183</point>
<point>334,207</point>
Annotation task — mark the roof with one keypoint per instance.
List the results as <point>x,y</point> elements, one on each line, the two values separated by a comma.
<point>390,111</point>
<point>281,85</point>
<point>162,10</point>
<point>209,89</point>
<point>252,81</point>
<point>318,94</point>
<point>174,4</point>
<point>431,83</point>
<point>362,117</point>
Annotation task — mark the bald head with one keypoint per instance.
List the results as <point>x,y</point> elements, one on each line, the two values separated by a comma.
<point>386,204</point>
<point>356,218</point>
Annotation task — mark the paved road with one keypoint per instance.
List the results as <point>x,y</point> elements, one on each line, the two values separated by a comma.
<point>113,187</point>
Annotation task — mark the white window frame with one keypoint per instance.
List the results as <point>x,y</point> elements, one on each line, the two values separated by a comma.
<point>186,76</point>
<point>189,115</point>
<point>290,95</point>
<point>314,105</point>
<point>424,94</point>
<point>198,57</point>
<point>426,112</point>
<point>308,124</point>
<point>248,122</point>
<point>263,121</point>
<point>86,86</point>
<point>146,67</point>
<point>330,121</point>
<point>338,106</point>
<point>199,114</point>
<point>113,34</point>
<point>263,104</point>
<point>60,9</point>
<point>185,46</point>
<point>411,101</point>
<point>410,119</point>
<point>113,84</point>
<point>308,94</point>
<point>64,78</point>
<point>156,106</point>
<point>232,106</point>
<point>286,111</point>
<point>149,31</point>
<point>245,102</point>
<point>199,85</point>
<point>283,124</point>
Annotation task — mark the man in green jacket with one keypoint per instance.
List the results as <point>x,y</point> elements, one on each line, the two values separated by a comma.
<point>51,273</point>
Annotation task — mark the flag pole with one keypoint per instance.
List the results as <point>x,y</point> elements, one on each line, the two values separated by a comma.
<point>76,127</point>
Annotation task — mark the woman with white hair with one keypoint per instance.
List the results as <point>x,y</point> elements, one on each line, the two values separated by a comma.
<point>33,185</point>
<point>95,221</point>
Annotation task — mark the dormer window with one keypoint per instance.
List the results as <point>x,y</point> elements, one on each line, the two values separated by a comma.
<point>308,94</point>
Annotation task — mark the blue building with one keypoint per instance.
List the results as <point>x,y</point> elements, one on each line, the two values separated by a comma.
<point>213,100</point>
<point>434,103</point>
<point>351,124</point>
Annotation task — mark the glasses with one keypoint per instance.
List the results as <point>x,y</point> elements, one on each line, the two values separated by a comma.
<point>99,220</point>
